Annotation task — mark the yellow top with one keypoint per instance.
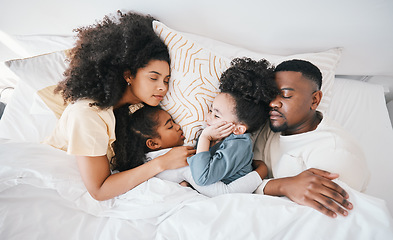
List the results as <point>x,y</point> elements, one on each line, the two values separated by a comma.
<point>84,130</point>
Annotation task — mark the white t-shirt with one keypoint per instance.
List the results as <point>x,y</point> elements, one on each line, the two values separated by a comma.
<point>329,147</point>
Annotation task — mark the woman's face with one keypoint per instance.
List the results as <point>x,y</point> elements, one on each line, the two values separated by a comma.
<point>150,84</point>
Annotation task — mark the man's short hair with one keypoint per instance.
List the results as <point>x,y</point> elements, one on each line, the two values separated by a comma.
<point>308,70</point>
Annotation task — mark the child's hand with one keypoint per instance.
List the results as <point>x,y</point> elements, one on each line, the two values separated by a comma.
<point>218,131</point>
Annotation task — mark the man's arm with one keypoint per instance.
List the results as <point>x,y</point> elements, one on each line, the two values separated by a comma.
<point>313,188</point>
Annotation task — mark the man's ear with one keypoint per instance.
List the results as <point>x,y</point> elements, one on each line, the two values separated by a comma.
<point>316,99</point>
<point>239,129</point>
<point>153,144</point>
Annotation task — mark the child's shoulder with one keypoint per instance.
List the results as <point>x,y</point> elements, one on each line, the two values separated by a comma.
<point>244,136</point>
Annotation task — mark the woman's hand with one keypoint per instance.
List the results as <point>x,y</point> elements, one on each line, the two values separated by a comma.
<point>313,188</point>
<point>176,157</point>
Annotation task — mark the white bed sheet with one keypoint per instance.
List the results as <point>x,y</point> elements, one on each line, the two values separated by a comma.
<point>42,196</point>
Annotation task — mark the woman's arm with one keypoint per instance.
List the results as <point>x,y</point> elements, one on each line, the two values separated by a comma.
<point>101,185</point>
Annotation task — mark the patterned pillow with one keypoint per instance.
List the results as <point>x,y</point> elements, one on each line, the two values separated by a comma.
<point>195,74</point>
<point>196,70</point>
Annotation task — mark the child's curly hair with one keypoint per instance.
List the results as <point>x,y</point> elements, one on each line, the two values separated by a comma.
<point>104,51</point>
<point>251,83</point>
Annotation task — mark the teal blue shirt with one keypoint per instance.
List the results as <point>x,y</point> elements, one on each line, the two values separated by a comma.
<point>226,161</point>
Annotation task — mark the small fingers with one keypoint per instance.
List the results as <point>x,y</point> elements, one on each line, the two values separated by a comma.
<point>226,129</point>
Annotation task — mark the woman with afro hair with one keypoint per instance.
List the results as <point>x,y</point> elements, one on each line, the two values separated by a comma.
<point>116,62</point>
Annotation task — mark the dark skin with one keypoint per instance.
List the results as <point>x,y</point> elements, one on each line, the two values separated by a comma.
<point>294,112</point>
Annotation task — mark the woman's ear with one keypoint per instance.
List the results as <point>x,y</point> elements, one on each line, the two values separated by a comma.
<point>127,75</point>
<point>316,99</point>
<point>153,144</point>
<point>239,129</point>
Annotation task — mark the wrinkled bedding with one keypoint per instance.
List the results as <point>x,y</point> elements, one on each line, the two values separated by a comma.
<point>42,196</point>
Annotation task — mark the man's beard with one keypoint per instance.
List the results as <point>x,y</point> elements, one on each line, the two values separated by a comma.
<point>281,128</point>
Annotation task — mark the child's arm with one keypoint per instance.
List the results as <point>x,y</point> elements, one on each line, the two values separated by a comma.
<point>224,162</point>
<point>245,184</point>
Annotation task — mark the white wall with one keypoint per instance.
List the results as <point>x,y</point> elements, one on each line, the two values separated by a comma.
<point>362,27</point>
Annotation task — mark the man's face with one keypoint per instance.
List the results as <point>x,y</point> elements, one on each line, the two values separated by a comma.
<point>294,108</point>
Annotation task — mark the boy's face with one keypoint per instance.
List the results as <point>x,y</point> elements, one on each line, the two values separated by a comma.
<point>222,109</point>
<point>170,133</point>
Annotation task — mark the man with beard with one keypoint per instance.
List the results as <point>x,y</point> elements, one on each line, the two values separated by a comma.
<point>304,150</point>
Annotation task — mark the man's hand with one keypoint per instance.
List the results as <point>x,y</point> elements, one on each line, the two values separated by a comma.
<point>313,188</point>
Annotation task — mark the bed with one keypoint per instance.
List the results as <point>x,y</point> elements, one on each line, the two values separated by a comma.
<point>42,195</point>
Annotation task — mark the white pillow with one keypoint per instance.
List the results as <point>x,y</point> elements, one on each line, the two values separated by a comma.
<point>360,108</point>
<point>196,69</point>
<point>26,117</point>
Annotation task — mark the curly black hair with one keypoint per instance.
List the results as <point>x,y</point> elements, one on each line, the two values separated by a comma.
<point>104,51</point>
<point>306,68</point>
<point>251,83</point>
<point>132,131</point>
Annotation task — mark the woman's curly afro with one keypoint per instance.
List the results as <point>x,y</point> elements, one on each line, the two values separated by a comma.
<point>104,51</point>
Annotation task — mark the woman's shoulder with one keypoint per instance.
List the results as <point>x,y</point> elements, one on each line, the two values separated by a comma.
<point>83,109</point>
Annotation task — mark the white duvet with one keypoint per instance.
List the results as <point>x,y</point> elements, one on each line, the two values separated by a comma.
<point>42,196</point>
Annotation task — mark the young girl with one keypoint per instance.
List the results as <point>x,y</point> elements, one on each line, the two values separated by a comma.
<point>224,148</point>
<point>115,62</point>
<point>152,131</point>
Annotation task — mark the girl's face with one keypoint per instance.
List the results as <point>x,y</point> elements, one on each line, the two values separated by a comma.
<point>150,84</point>
<point>222,110</point>
<point>170,133</point>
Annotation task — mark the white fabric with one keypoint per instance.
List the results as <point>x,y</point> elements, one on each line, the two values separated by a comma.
<point>360,108</point>
<point>40,186</point>
<point>329,147</point>
<point>18,124</point>
<point>279,27</point>
<point>245,184</point>
<point>26,117</point>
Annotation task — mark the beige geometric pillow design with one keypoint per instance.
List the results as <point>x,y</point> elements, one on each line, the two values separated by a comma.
<point>195,74</point>
<point>196,71</point>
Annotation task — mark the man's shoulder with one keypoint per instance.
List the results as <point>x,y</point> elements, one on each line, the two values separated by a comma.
<point>331,133</point>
